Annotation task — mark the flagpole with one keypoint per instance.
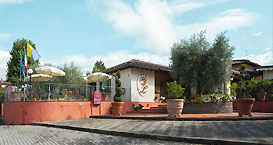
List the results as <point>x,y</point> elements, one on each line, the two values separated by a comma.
<point>20,63</point>
<point>27,74</point>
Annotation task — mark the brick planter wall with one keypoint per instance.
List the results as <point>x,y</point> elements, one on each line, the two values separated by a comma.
<point>207,108</point>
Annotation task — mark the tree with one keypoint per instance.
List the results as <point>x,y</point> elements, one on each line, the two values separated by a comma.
<point>99,66</point>
<point>13,72</point>
<point>200,66</point>
<point>73,75</point>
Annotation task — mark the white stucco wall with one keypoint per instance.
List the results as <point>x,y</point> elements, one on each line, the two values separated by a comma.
<point>125,79</point>
<point>149,96</point>
<point>268,74</point>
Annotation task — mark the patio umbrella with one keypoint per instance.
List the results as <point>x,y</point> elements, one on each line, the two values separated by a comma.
<point>98,77</point>
<point>50,70</point>
<point>39,78</point>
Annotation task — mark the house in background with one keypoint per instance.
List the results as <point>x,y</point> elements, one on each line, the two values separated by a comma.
<point>140,80</point>
<point>250,67</point>
<point>267,71</point>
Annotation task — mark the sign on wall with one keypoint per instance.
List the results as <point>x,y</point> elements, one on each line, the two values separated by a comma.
<point>97,97</point>
<point>142,84</point>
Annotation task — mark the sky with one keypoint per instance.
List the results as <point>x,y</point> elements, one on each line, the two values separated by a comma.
<point>115,31</point>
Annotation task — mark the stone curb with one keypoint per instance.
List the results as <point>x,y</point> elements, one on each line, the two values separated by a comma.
<point>183,119</point>
<point>196,140</point>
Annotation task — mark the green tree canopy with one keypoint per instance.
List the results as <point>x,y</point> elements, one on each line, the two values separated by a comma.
<point>199,65</point>
<point>13,72</point>
<point>73,75</point>
<point>99,66</point>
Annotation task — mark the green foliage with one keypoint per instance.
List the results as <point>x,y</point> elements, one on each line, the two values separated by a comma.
<point>98,67</point>
<point>73,75</point>
<point>174,90</point>
<point>201,65</point>
<point>233,89</point>
<point>117,96</point>
<point>213,96</point>
<point>13,71</point>
<point>244,87</point>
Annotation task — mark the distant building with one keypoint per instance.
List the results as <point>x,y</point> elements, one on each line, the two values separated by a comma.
<point>267,71</point>
<point>141,80</point>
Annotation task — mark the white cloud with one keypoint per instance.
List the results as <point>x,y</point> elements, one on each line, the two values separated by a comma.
<point>4,57</point>
<point>152,23</point>
<point>110,59</point>
<point>256,34</point>
<point>4,35</point>
<point>227,20</point>
<point>13,1</point>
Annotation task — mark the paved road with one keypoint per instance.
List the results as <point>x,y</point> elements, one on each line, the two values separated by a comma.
<point>259,131</point>
<point>30,135</point>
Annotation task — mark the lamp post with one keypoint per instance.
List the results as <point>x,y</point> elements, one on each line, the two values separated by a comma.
<point>30,71</point>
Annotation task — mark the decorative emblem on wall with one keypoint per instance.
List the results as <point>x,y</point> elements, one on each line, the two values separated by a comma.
<point>142,84</point>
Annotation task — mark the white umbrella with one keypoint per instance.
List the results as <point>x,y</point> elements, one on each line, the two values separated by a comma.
<point>39,78</point>
<point>50,70</point>
<point>98,77</point>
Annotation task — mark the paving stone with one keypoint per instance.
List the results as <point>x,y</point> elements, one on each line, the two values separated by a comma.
<point>30,135</point>
<point>246,131</point>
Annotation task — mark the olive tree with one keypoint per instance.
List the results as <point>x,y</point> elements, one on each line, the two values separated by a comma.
<point>199,65</point>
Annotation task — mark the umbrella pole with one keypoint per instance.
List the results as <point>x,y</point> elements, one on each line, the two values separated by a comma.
<point>97,86</point>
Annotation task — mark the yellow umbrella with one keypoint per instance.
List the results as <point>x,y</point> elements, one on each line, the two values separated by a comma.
<point>39,78</point>
<point>98,77</point>
<point>50,70</point>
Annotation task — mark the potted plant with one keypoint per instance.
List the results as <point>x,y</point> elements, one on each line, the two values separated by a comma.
<point>61,98</point>
<point>32,97</point>
<point>226,98</point>
<point>197,98</point>
<point>137,107</point>
<point>85,98</point>
<point>244,101</point>
<point>104,96</point>
<point>213,97</point>
<point>174,103</point>
<point>261,86</point>
<point>117,105</point>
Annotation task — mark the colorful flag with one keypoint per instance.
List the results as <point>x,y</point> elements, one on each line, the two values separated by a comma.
<point>21,63</point>
<point>32,53</point>
<point>35,55</point>
<point>25,61</point>
<point>29,48</point>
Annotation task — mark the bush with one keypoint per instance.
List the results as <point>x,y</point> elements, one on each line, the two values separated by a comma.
<point>174,90</point>
<point>117,96</point>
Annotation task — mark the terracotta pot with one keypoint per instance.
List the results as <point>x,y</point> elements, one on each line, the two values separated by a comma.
<point>225,100</point>
<point>175,107</point>
<point>117,108</point>
<point>261,96</point>
<point>195,100</point>
<point>32,99</point>
<point>104,97</point>
<point>213,99</point>
<point>85,99</point>
<point>244,106</point>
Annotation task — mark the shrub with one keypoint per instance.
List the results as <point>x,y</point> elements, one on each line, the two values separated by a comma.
<point>117,96</point>
<point>174,90</point>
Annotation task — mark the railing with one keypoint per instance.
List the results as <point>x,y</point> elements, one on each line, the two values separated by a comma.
<point>54,92</point>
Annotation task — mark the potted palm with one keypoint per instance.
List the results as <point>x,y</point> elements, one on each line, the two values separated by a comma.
<point>244,101</point>
<point>117,105</point>
<point>174,103</point>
